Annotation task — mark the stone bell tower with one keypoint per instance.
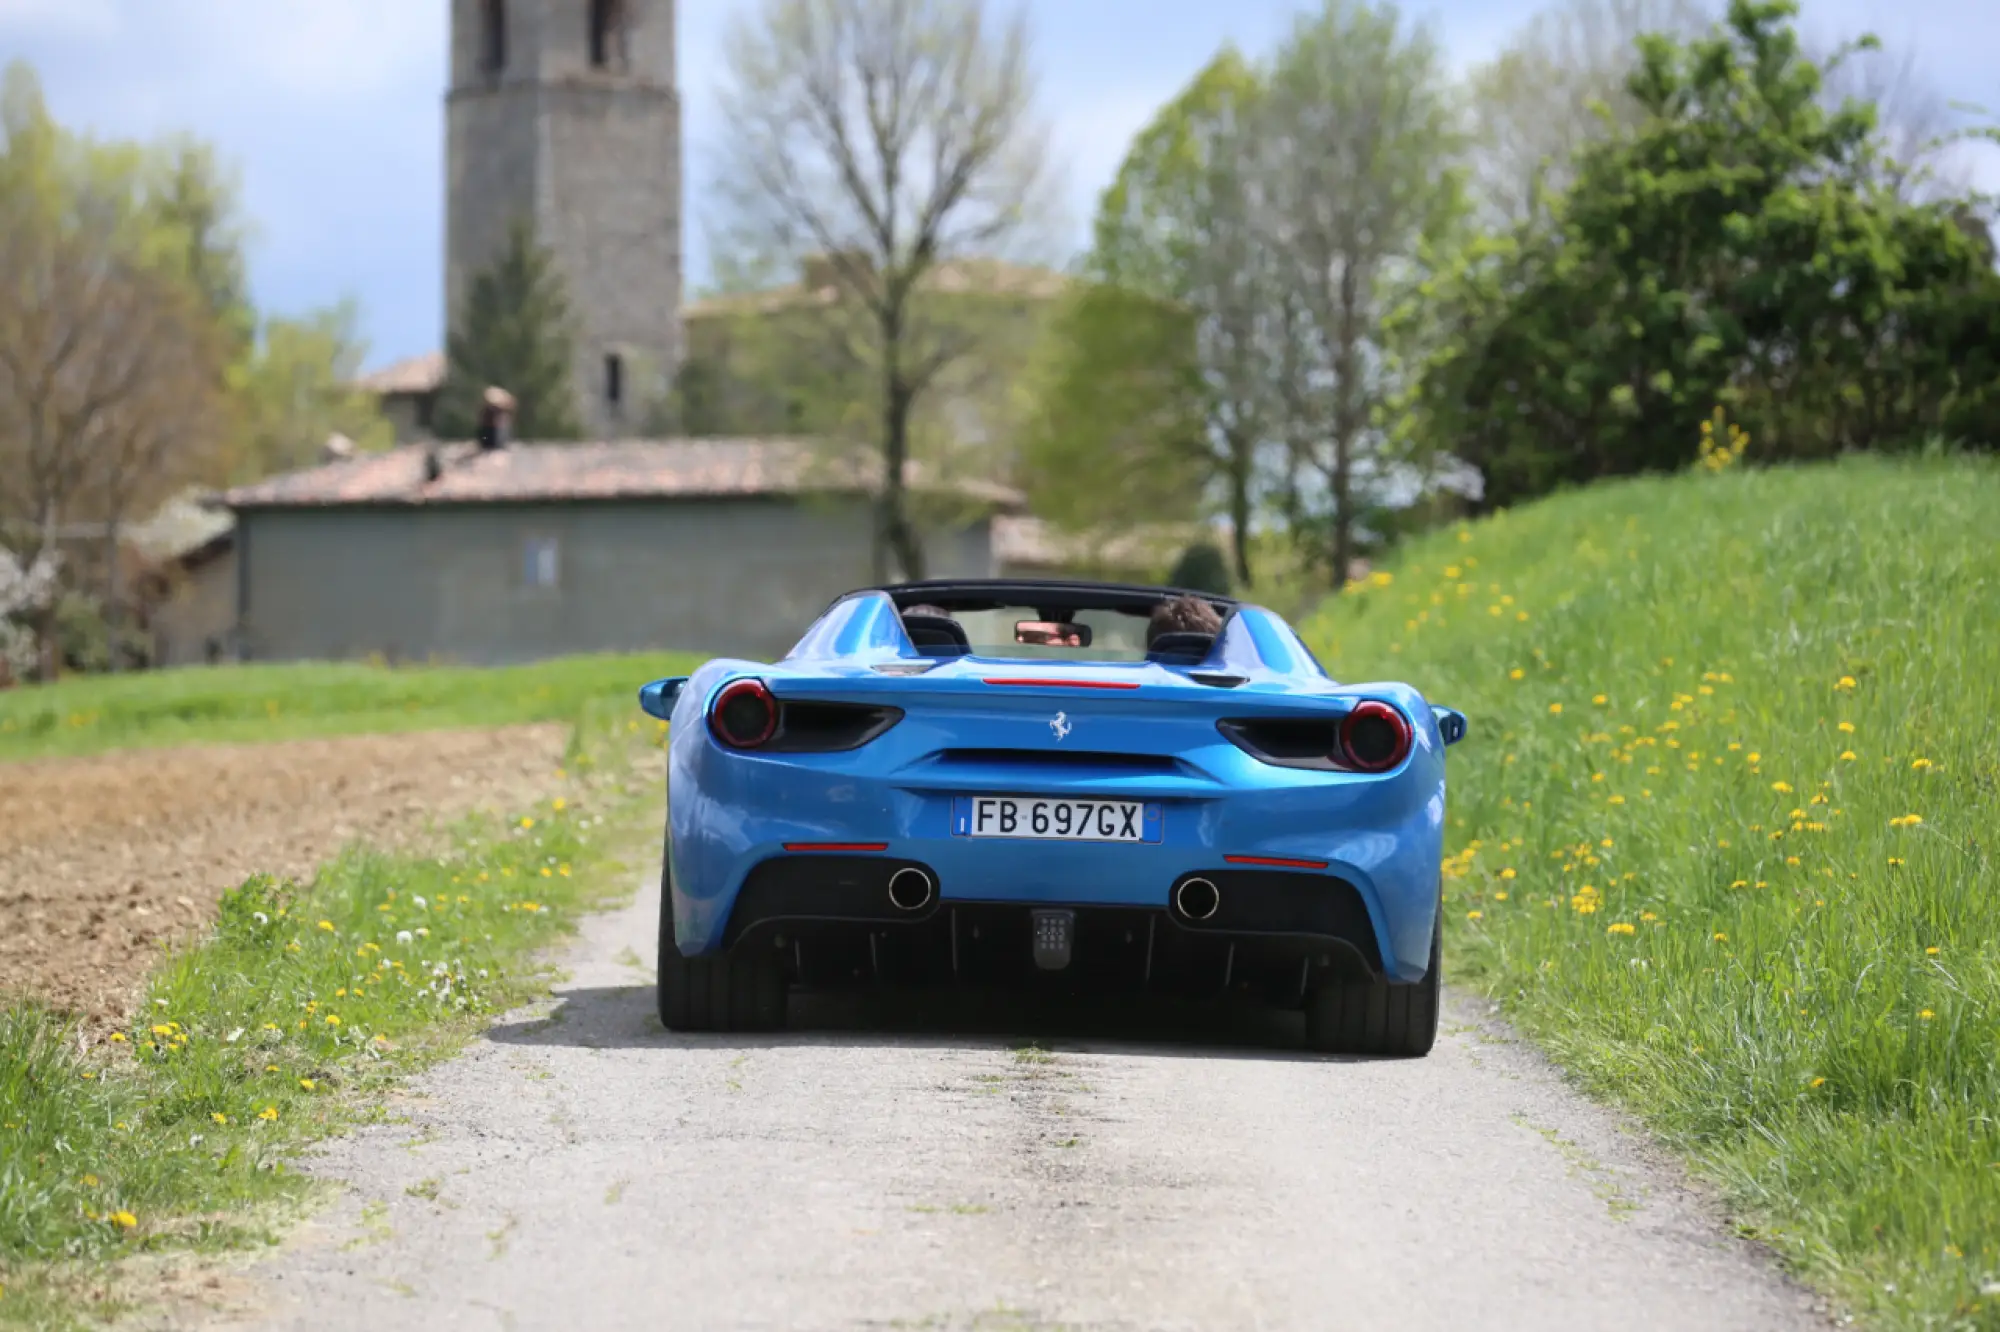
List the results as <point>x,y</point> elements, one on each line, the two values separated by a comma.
<point>565,113</point>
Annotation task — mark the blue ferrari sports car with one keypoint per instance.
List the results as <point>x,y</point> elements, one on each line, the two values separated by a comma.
<point>1030,782</point>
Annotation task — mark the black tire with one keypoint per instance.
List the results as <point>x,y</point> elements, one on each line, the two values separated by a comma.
<point>717,991</point>
<point>1379,1017</point>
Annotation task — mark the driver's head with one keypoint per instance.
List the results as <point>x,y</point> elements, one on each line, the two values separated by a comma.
<point>1182,615</point>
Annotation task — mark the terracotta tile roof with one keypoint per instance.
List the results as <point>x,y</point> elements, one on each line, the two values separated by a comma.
<point>624,469</point>
<point>415,374</point>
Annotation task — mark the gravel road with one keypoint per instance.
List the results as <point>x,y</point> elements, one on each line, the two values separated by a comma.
<point>1129,1168</point>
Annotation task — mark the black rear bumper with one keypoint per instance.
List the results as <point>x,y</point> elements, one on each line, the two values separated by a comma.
<point>1273,933</point>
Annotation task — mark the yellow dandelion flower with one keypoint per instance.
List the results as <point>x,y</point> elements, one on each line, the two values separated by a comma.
<point>123,1220</point>
<point>1620,927</point>
<point>1931,951</point>
<point>1647,916</point>
<point>1500,896</point>
<point>1845,682</point>
<point>326,925</point>
<point>1475,915</point>
<point>268,1112</point>
<point>1507,873</point>
<point>1516,673</point>
<point>118,1036</point>
<point>307,1083</point>
<point>1740,883</point>
<point>1782,787</point>
<point>1555,708</point>
<point>219,1117</point>
<point>1920,764</point>
<point>1895,860</point>
<point>1720,937</point>
<point>527,823</point>
<point>1927,1015</point>
<point>333,1019</point>
<point>1817,1082</point>
<point>1847,727</point>
<point>1847,756</point>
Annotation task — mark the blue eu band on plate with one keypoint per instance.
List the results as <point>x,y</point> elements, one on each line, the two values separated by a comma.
<point>1056,820</point>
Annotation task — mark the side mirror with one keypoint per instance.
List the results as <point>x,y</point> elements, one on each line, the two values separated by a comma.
<point>657,698</point>
<point>1052,633</point>
<point>1451,724</point>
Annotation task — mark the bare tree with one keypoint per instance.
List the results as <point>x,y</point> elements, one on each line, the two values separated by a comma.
<point>1916,122</point>
<point>890,137</point>
<point>1550,91</point>
<point>1359,138</point>
<point>108,373</point>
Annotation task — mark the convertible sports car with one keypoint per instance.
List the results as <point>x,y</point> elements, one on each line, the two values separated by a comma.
<point>1008,782</point>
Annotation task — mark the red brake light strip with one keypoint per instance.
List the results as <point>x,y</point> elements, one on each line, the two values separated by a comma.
<point>836,846</point>
<point>1281,862</point>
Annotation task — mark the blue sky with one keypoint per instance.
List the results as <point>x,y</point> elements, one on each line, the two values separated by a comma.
<point>331,110</point>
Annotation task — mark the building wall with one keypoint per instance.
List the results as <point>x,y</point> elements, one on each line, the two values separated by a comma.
<point>739,577</point>
<point>408,415</point>
<point>591,157</point>
<point>196,622</point>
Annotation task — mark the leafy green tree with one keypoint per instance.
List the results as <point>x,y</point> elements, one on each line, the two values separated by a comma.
<point>198,200</point>
<point>1737,248</point>
<point>295,389</point>
<point>515,332</point>
<point>1201,568</point>
<point>1115,435</point>
<point>1181,318</point>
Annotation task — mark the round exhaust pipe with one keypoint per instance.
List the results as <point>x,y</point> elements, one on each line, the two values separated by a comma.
<point>1197,899</point>
<point>910,889</point>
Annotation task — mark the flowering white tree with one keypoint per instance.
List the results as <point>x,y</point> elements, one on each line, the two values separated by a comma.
<point>24,592</point>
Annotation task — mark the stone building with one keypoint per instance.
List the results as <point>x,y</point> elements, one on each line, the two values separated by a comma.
<point>566,113</point>
<point>541,550</point>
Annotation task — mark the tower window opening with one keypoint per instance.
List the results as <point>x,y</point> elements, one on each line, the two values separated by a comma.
<point>614,379</point>
<point>493,36</point>
<point>607,34</point>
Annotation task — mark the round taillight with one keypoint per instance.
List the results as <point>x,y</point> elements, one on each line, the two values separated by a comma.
<point>1374,737</point>
<point>744,716</point>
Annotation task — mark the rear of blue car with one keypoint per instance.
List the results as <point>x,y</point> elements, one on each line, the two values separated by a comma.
<point>1093,825</point>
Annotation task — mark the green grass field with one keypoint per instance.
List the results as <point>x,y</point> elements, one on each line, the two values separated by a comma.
<point>1722,835</point>
<point>207,705</point>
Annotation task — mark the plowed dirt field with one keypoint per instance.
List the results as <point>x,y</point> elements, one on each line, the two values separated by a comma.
<point>104,860</point>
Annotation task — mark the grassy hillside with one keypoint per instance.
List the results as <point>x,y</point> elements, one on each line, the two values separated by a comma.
<point>249,703</point>
<point>1722,834</point>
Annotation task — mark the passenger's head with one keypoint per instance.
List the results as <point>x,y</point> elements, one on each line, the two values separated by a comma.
<point>1183,615</point>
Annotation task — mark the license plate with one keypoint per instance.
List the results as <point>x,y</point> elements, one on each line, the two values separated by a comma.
<point>1043,818</point>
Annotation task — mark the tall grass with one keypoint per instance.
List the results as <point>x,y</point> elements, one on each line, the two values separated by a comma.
<point>205,705</point>
<point>1722,834</point>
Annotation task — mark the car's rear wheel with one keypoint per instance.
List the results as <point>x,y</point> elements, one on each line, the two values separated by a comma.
<point>725,991</point>
<point>1379,1017</point>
